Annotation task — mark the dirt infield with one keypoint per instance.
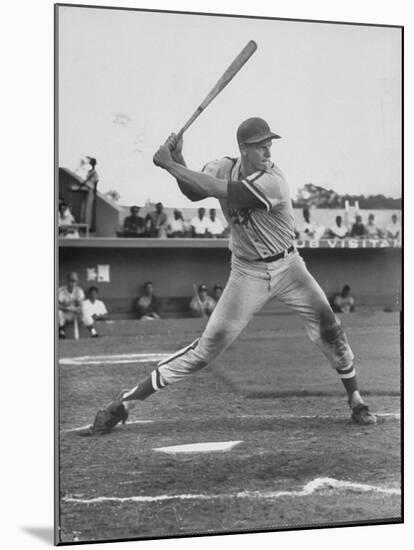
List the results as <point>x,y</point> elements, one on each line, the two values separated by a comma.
<point>300,460</point>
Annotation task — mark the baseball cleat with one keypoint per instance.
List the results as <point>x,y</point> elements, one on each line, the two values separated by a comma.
<point>362,415</point>
<point>106,419</point>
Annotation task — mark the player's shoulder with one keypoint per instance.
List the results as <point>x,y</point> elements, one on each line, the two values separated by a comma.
<point>271,177</point>
<point>219,167</point>
<point>275,173</point>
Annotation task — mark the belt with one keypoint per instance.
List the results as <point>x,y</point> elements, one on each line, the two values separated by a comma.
<point>278,256</point>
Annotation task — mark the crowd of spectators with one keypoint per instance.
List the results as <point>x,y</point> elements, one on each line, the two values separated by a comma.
<point>356,229</point>
<point>156,224</point>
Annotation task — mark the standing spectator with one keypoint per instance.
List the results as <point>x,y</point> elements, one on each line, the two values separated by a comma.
<point>344,302</point>
<point>201,304</point>
<point>217,292</point>
<point>358,228</point>
<point>65,220</point>
<point>156,222</point>
<point>308,230</point>
<point>371,227</point>
<point>134,225</point>
<point>88,187</point>
<point>394,228</point>
<point>338,231</point>
<point>215,228</point>
<point>199,224</point>
<point>70,298</point>
<point>93,310</point>
<point>147,306</point>
<point>176,225</point>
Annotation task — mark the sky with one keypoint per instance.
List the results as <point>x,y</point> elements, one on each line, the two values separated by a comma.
<point>127,79</point>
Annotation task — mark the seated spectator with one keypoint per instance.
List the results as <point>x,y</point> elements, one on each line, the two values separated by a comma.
<point>65,220</point>
<point>338,231</point>
<point>215,228</point>
<point>371,227</point>
<point>358,228</point>
<point>344,302</point>
<point>70,298</point>
<point>202,305</point>
<point>199,224</point>
<point>308,231</point>
<point>93,310</point>
<point>394,228</point>
<point>134,225</point>
<point>156,222</point>
<point>176,225</point>
<point>217,292</point>
<point>147,305</point>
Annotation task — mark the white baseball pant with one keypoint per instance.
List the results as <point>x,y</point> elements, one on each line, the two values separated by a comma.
<point>250,286</point>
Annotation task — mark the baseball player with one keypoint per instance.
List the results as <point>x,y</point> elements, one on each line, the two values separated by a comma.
<point>265,264</point>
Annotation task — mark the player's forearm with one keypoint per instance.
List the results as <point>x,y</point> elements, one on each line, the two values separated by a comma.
<point>196,183</point>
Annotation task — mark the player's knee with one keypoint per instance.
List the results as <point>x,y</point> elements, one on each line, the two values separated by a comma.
<point>330,327</point>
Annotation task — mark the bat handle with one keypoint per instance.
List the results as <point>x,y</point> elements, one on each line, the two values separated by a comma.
<point>189,122</point>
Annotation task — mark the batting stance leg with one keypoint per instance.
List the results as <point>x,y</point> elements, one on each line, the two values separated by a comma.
<point>243,296</point>
<point>299,290</point>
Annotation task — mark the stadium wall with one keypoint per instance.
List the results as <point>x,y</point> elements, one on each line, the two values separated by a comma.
<point>174,265</point>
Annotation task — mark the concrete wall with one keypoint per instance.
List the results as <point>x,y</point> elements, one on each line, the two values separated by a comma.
<point>373,274</point>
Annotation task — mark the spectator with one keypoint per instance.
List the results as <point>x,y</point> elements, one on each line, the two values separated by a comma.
<point>176,225</point>
<point>394,228</point>
<point>65,220</point>
<point>338,231</point>
<point>202,305</point>
<point>88,187</point>
<point>215,228</point>
<point>308,230</point>
<point>371,228</point>
<point>93,310</point>
<point>70,298</point>
<point>134,225</point>
<point>217,292</point>
<point>199,224</point>
<point>156,222</point>
<point>147,305</point>
<point>358,229</point>
<point>344,302</point>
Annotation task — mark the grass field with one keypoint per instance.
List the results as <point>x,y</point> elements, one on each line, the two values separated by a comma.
<point>299,460</point>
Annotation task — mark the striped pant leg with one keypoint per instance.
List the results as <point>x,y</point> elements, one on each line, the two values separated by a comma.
<point>243,296</point>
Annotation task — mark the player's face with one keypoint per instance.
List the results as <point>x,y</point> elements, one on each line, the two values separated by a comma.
<point>257,155</point>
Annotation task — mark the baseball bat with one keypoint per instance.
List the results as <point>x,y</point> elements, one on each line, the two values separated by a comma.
<point>76,328</point>
<point>227,76</point>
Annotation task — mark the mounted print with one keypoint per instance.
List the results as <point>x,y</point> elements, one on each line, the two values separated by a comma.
<point>228,295</point>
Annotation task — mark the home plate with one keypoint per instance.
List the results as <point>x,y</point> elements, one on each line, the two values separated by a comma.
<point>209,447</point>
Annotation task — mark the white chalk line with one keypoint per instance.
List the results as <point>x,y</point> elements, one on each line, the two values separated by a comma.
<point>248,416</point>
<point>118,359</point>
<point>317,485</point>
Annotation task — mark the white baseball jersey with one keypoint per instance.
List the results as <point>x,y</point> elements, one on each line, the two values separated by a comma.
<point>94,308</point>
<point>258,209</point>
<point>68,299</point>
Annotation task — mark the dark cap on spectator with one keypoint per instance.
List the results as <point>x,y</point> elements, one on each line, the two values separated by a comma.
<point>73,277</point>
<point>134,208</point>
<point>254,130</point>
<point>202,287</point>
